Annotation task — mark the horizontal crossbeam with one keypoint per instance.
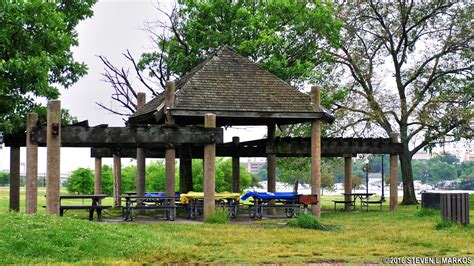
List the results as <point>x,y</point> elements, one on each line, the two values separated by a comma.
<point>125,137</point>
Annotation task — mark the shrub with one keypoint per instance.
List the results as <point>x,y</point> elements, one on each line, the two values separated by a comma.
<point>427,212</point>
<point>308,221</point>
<point>220,216</point>
<point>444,224</point>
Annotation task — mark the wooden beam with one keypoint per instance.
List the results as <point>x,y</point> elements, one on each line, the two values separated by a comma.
<point>124,137</point>
<point>235,167</point>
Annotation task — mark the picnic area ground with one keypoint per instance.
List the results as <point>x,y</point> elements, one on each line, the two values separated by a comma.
<point>358,237</point>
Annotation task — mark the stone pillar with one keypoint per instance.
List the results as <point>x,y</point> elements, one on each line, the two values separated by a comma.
<point>98,176</point>
<point>53,142</point>
<point>31,167</point>
<point>15,179</point>
<point>394,175</point>
<point>117,180</point>
<point>140,181</point>
<point>236,166</point>
<point>209,186</point>
<point>185,169</point>
<point>347,180</point>
<point>271,164</point>
<point>316,153</point>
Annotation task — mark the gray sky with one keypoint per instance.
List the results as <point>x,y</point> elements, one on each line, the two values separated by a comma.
<point>115,27</point>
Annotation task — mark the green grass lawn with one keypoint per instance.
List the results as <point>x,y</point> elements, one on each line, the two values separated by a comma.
<point>359,237</point>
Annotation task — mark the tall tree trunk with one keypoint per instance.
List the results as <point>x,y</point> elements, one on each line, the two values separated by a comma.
<point>409,197</point>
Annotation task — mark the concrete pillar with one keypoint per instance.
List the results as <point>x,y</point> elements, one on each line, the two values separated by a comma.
<point>316,153</point>
<point>170,183</point>
<point>53,142</point>
<point>15,179</point>
<point>271,164</point>
<point>347,180</point>
<point>31,167</point>
<point>394,175</point>
<point>117,180</point>
<point>140,181</point>
<point>170,153</point>
<point>209,185</point>
<point>98,176</point>
<point>185,169</point>
<point>236,166</point>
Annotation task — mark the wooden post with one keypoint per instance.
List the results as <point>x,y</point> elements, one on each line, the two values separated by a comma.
<point>117,180</point>
<point>31,167</point>
<point>185,169</point>
<point>347,180</point>
<point>316,152</point>
<point>141,179</point>
<point>170,153</point>
<point>394,175</point>
<point>15,179</point>
<point>98,176</point>
<point>53,142</point>
<point>209,170</point>
<point>169,101</point>
<point>236,166</point>
<point>271,164</point>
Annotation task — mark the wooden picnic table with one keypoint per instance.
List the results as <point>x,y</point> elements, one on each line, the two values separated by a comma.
<point>359,195</point>
<point>94,206</point>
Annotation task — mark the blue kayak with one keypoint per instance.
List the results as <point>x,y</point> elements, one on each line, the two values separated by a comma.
<point>270,195</point>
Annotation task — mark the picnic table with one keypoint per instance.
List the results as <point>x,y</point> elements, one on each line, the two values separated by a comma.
<point>362,196</point>
<point>291,202</point>
<point>150,201</point>
<point>194,203</point>
<point>94,206</point>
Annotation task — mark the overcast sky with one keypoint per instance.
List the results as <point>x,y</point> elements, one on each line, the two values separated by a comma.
<point>114,28</point>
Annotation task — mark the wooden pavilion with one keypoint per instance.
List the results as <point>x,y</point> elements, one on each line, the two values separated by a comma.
<point>227,89</point>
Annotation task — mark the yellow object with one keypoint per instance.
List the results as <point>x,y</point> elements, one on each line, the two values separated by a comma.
<point>185,198</point>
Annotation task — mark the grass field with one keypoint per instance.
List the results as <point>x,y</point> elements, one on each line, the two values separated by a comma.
<point>360,237</point>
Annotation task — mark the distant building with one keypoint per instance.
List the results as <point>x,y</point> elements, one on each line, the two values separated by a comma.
<point>468,157</point>
<point>255,164</point>
<point>422,155</point>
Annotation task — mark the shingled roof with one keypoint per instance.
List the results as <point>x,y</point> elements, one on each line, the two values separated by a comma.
<point>238,91</point>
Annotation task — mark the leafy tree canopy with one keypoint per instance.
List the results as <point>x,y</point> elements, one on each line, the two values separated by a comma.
<point>284,37</point>
<point>35,54</point>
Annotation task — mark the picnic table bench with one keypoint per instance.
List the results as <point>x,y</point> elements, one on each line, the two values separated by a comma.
<point>150,201</point>
<point>95,205</point>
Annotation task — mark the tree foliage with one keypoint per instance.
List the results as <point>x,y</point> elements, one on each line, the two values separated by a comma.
<point>35,54</point>
<point>284,37</point>
<point>81,181</point>
<point>409,66</point>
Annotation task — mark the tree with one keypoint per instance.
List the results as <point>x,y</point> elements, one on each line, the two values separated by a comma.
<point>408,65</point>
<point>283,37</point>
<point>35,55</point>
<point>293,169</point>
<point>4,178</point>
<point>81,181</point>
